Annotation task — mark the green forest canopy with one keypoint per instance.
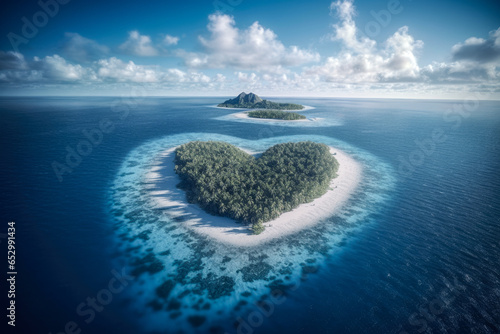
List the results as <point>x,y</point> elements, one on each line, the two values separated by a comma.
<point>227,181</point>
<point>264,105</point>
<point>276,114</point>
<point>252,101</point>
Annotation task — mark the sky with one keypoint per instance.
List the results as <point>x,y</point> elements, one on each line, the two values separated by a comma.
<point>448,49</point>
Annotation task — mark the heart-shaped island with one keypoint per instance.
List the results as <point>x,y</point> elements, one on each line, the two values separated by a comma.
<point>247,198</point>
<point>226,181</point>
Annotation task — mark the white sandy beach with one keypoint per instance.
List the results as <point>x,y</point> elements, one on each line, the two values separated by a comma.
<point>161,183</point>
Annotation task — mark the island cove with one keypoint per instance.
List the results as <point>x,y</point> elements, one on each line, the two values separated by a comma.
<point>165,194</point>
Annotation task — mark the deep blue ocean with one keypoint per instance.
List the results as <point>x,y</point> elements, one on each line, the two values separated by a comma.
<point>417,249</point>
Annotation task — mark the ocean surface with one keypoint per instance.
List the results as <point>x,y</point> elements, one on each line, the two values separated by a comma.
<point>416,250</point>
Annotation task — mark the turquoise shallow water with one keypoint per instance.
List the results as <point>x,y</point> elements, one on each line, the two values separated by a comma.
<point>188,277</point>
<point>416,250</point>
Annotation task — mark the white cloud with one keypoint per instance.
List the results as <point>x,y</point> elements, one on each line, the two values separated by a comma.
<point>475,60</point>
<point>57,68</point>
<point>346,30</point>
<point>50,69</point>
<point>255,48</point>
<point>463,71</point>
<point>118,70</point>
<point>402,61</point>
<point>220,78</point>
<point>478,49</point>
<point>257,60</point>
<point>171,40</point>
<point>81,49</point>
<point>11,60</point>
<point>396,62</point>
<point>247,77</point>
<point>176,75</point>
<point>14,68</point>
<point>139,45</point>
<point>360,61</point>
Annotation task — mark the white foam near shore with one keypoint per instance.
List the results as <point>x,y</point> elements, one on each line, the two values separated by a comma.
<point>161,181</point>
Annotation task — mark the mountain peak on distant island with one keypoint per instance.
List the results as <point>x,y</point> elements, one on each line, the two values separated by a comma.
<point>252,101</point>
<point>244,98</point>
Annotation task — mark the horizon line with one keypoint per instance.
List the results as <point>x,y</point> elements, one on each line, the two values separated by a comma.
<point>268,96</point>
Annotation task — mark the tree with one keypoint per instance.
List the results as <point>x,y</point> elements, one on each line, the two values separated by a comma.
<point>258,228</point>
<point>226,181</point>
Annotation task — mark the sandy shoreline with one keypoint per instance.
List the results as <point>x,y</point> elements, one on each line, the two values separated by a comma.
<point>161,183</point>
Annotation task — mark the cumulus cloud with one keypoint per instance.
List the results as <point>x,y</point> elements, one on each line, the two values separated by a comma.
<point>400,50</point>
<point>463,71</point>
<point>78,48</point>
<point>170,40</point>
<point>346,30</point>
<point>117,70</point>
<point>57,70</point>
<point>475,60</point>
<point>176,75</point>
<point>255,48</point>
<point>479,49</point>
<point>14,68</point>
<point>279,83</point>
<point>251,78</point>
<point>11,60</point>
<point>220,78</point>
<point>139,45</point>
<point>360,61</point>
<point>52,69</point>
<point>257,60</point>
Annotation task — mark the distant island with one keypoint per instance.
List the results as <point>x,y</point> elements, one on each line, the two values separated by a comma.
<point>276,114</point>
<point>252,101</point>
<point>226,181</point>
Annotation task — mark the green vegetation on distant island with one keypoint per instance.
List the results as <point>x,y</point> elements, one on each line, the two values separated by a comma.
<point>226,181</point>
<point>276,114</point>
<point>252,101</point>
